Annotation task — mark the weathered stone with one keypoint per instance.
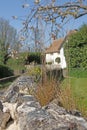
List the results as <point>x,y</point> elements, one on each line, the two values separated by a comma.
<point>1,115</point>
<point>51,117</point>
<point>11,95</point>
<point>1,106</point>
<point>27,113</point>
<point>22,85</point>
<point>1,94</point>
<point>4,118</point>
<point>11,108</point>
<point>75,113</point>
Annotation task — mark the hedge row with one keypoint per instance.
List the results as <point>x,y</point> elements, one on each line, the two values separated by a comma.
<point>5,71</point>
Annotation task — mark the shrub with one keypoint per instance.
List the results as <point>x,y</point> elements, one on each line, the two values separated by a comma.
<point>16,64</point>
<point>5,71</point>
<point>75,49</point>
<point>34,71</point>
<point>34,57</point>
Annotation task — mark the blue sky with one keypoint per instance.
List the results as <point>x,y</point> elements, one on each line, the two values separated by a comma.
<point>9,8</point>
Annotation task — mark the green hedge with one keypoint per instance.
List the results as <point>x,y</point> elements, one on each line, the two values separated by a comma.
<point>34,57</point>
<point>5,71</point>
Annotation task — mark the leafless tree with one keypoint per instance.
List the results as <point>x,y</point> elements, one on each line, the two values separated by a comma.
<point>53,12</point>
<point>8,39</point>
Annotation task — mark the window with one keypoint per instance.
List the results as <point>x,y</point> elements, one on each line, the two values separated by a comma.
<point>57,60</point>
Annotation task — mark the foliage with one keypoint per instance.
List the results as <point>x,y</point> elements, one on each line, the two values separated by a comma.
<point>76,49</point>
<point>7,82</point>
<point>4,56</point>
<point>34,71</point>
<point>4,84</point>
<point>2,51</point>
<point>5,71</point>
<point>22,58</point>
<point>16,64</point>
<point>34,57</point>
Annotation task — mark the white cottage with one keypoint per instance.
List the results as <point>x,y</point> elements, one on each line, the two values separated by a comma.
<point>55,55</point>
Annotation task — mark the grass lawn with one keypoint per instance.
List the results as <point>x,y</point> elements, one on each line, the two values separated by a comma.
<point>79,89</point>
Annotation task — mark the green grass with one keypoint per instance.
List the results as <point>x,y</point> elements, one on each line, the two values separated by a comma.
<point>79,90</point>
<point>78,73</point>
<point>79,86</point>
<point>6,83</point>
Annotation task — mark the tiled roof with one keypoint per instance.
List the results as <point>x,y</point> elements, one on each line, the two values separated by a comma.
<point>55,46</point>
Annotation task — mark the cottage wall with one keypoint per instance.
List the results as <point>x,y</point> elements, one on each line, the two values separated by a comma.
<point>50,58</point>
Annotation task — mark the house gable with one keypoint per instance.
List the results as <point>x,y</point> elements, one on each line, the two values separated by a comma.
<point>55,46</point>
<point>54,53</point>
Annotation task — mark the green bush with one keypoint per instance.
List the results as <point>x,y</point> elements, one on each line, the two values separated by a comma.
<point>35,71</point>
<point>34,57</point>
<point>76,49</point>
<point>5,71</point>
<point>16,64</point>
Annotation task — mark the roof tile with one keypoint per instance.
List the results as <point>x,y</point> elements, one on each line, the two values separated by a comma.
<point>55,46</point>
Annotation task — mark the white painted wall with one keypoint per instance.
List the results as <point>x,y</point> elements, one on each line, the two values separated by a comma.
<point>50,57</point>
<point>63,61</point>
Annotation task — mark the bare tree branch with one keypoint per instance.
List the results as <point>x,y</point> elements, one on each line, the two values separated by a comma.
<point>53,12</point>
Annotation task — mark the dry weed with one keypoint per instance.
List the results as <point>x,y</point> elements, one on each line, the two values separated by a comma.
<point>50,89</point>
<point>66,98</point>
<point>46,92</point>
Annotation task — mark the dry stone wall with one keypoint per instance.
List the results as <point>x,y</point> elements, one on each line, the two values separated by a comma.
<point>21,111</point>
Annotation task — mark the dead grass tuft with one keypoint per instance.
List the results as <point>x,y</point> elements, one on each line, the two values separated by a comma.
<point>66,98</point>
<point>46,92</point>
<point>50,89</point>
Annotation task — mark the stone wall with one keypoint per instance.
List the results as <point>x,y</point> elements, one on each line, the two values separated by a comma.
<point>21,111</point>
